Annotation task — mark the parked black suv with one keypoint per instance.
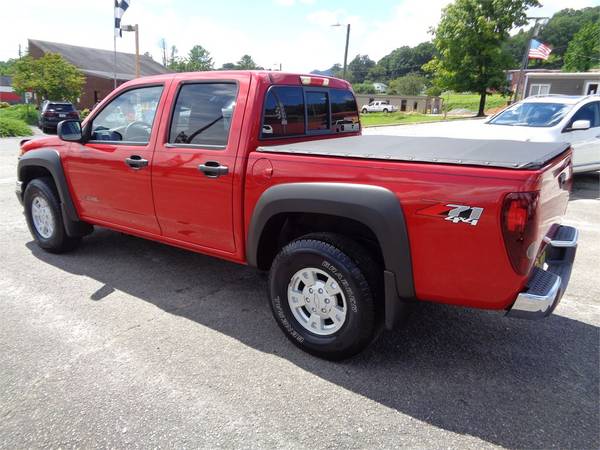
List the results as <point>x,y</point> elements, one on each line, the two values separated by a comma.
<point>53,112</point>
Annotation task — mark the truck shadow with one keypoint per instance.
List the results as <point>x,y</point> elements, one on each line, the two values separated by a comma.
<point>586,186</point>
<point>511,383</point>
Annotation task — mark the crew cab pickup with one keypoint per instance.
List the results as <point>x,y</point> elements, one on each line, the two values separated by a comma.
<point>270,169</point>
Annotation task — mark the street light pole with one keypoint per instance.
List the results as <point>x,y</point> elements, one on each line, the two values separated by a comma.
<point>137,45</point>
<point>346,49</point>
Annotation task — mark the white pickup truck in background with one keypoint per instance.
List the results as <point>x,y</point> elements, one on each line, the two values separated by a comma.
<point>378,106</point>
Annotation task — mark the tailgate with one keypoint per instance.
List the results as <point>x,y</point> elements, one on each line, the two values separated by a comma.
<point>555,184</point>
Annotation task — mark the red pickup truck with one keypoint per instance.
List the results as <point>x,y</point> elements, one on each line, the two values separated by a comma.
<point>270,169</point>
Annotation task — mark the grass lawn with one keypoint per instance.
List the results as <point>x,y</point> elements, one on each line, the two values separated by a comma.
<point>454,100</point>
<point>371,119</point>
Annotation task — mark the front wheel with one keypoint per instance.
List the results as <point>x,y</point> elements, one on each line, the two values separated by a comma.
<point>385,111</point>
<point>323,292</point>
<point>44,217</point>
<point>364,110</point>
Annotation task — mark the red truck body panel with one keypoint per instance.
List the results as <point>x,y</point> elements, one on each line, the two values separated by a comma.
<point>453,263</point>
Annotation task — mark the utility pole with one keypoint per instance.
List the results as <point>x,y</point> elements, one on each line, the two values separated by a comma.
<point>346,49</point>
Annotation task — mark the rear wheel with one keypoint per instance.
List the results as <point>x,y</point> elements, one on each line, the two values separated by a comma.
<point>385,110</point>
<point>323,290</point>
<point>44,217</point>
<point>364,110</point>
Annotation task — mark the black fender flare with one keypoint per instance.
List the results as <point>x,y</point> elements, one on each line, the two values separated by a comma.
<point>49,159</point>
<point>375,207</point>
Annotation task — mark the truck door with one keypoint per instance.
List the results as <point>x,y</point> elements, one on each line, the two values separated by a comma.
<point>193,171</point>
<point>110,174</point>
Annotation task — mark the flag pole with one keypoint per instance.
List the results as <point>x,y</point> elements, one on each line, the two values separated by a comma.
<point>115,60</point>
<point>524,64</point>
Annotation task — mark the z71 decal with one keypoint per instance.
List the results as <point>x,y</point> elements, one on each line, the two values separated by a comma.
<point>454,213</point>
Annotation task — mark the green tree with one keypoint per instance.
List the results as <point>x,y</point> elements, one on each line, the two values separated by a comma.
<point>198,60</point>
<point>402,61</point>
<point>7,66</point>
<point>364,88</point>
<point>411,84</point>
<point>247,63</point>
<point>49,77</point>
<point>583,52</point>
<point>360,66</point>
<point>561,29</point>
<point>228,66</point>
<point>469,41</point>
<point>175,62</point>
<point>515,46</point>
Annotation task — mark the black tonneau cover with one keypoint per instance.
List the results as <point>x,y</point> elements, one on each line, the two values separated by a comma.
<point>477,152</point>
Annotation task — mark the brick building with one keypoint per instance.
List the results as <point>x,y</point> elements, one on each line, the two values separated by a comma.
<point>97,66</point>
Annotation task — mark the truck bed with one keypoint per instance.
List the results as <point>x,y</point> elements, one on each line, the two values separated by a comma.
<point>477,152</point>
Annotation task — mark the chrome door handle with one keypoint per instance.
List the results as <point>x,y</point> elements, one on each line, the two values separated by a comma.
<point>136,162</point>
<point>213,169</point>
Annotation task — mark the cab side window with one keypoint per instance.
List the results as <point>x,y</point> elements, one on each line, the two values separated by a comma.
<point>202,114</point>
<point>129,117</point>
<point>284,112</point>
<point>590,112</point>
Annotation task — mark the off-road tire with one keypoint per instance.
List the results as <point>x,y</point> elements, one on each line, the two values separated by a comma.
<point>359,277</point>
<point>58,241</point>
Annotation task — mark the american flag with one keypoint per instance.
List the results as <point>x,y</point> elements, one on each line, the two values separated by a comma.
<point>539,50</point>
<point>120,8</point>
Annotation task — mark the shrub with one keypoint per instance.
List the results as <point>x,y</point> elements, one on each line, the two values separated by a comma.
<point>26,113</point>
<point>4,105</point>
<point>84,113</point>
<point>13,127</point>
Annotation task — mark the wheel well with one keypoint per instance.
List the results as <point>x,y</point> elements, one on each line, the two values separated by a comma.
<point>285,227</point>
<point>29,173</point>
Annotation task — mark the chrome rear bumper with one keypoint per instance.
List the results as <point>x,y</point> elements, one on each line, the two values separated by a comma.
<point>546,287</point>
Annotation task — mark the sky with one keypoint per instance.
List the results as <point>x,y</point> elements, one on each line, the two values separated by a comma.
<point>294,33</point>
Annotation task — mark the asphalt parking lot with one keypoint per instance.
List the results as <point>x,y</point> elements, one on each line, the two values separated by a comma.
<point>126,342</point>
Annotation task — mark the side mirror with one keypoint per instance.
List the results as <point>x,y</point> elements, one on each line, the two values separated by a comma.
<point>69,130</point>
<point>579,125</point>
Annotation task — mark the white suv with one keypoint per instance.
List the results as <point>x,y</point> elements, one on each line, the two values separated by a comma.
<point>553,118</point>
<point>379,106</point>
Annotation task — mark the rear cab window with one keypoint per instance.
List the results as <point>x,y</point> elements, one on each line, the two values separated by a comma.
<point>294,111</point>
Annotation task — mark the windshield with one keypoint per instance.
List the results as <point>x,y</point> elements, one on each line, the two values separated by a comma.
<point>532,114</point>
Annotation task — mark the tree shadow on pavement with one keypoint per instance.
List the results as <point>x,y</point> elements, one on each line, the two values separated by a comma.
<point>509,382</point>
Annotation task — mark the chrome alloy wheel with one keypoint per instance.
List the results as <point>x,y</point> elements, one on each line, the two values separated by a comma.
<point>317,301</point>
<point>43,220</point>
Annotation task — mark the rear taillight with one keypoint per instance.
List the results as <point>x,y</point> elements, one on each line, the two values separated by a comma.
<point>519,228</point>
<point>73,114</point>
<point>50,114</point>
